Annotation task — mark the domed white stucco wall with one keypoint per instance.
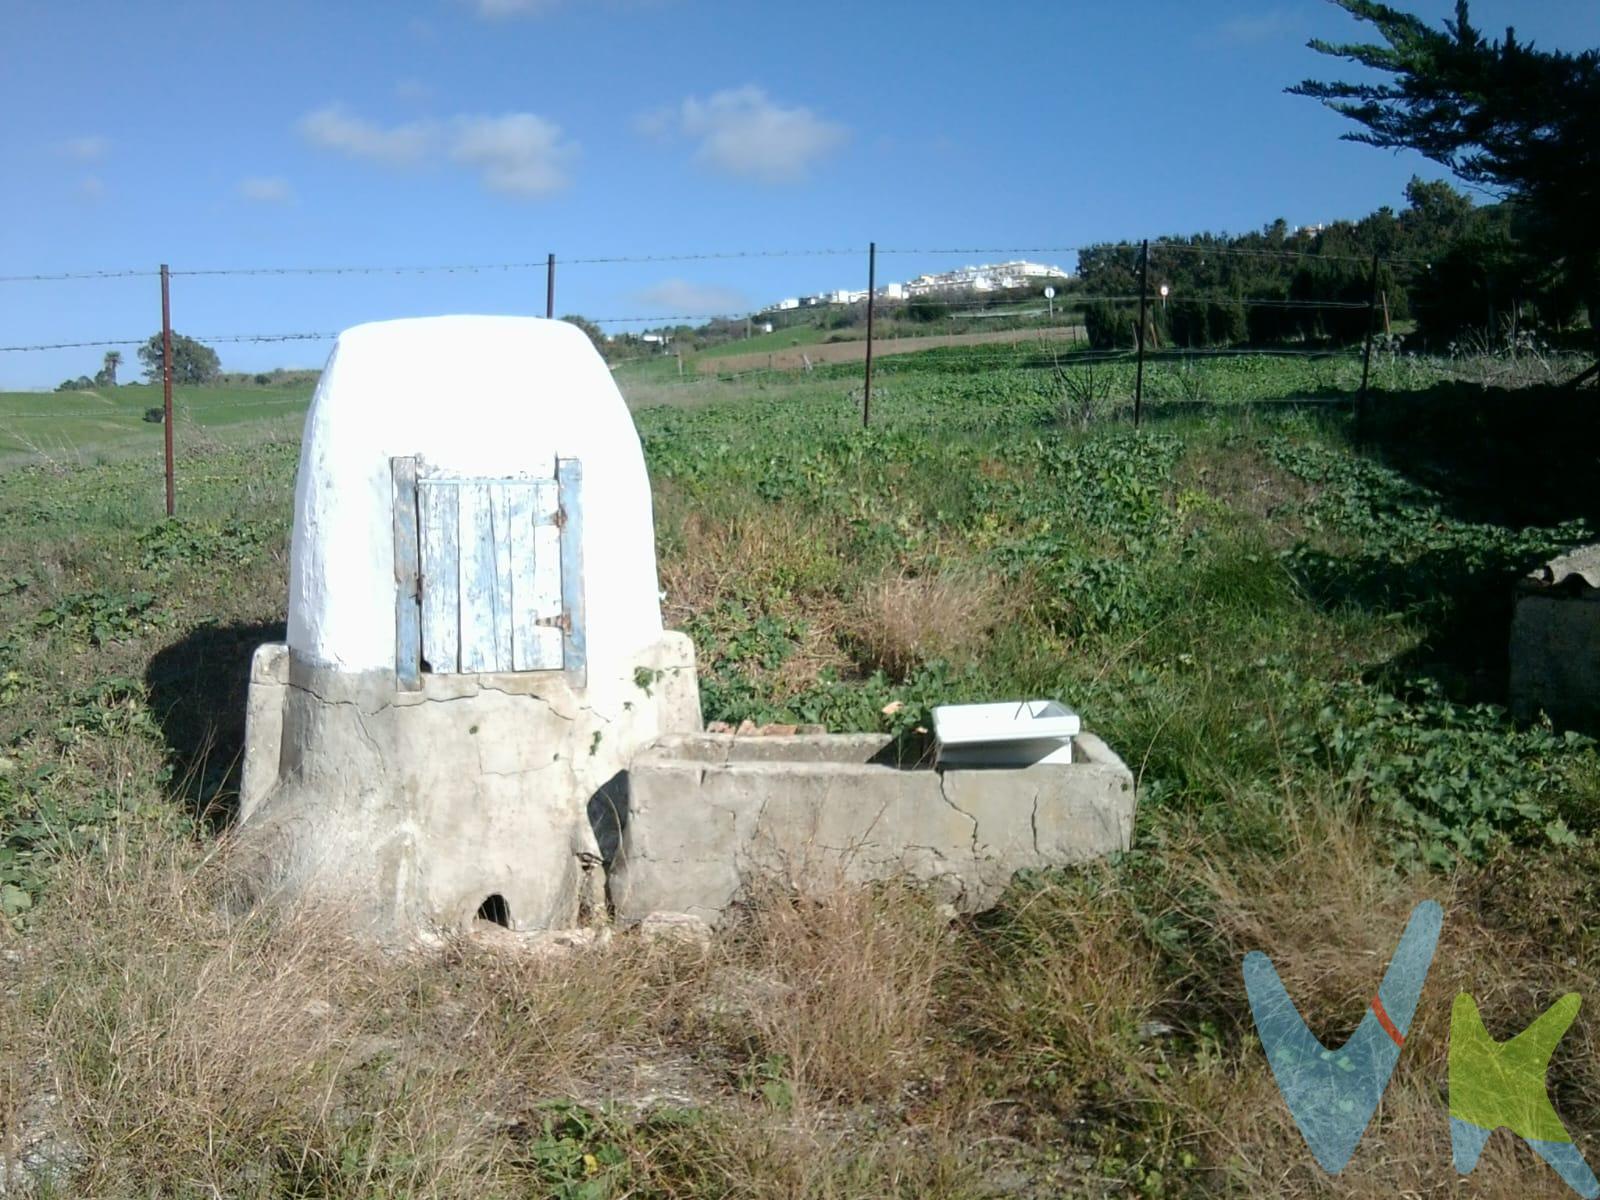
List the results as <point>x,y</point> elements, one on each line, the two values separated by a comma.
<point>470,395</point>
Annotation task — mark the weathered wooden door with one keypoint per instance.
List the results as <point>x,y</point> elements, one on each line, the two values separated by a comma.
<point>488,571</point>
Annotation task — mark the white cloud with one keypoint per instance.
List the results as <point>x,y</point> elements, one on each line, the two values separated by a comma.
<point>680,297</point>
<point>1252,28</point>
<point>266,190</point>
<point>519,154</point>
<point>658,123</point>
<point>500,10</point>
<point>335,128</point>
<point>85,149</point>
<point>497,9</point>
<point>744,133</point>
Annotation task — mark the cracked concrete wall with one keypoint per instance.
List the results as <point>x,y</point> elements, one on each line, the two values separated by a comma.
<point>263,724</point>
<point>408,809</point>
<point>709,813</point>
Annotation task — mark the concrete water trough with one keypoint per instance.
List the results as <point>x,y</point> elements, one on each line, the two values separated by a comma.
<point>708,814</point>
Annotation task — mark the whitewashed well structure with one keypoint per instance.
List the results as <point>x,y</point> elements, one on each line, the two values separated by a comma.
<point>478,714</point>
<point>475,648</point>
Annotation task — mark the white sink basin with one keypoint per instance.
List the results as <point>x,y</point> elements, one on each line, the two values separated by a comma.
<point>1008,733</point>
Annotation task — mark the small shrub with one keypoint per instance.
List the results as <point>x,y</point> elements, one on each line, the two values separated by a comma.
<point>1083,394</point>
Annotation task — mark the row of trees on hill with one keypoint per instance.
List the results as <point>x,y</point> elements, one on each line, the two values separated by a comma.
<point>193,364</point>
<point>1447,268</point>
<point>106,376</point>
<point>1520,123</point>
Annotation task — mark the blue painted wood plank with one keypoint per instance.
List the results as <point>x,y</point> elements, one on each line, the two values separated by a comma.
<point>493,589</point>
<point>500,533</point>
<point>478,578</point>
<point>546,601</point>
<point>535,577</point>
<point>407,596</point>
<point>569,475</point>
<point>441,577</point>
<point>519,541</point>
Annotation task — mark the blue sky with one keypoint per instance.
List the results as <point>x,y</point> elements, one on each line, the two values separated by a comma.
<point>298,133</point>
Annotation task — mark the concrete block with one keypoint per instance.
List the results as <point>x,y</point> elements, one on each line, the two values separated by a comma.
<point>1555,642</point>
<point>263,725</point>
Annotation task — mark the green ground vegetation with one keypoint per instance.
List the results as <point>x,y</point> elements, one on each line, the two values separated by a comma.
<point>83,426</point>
<point>1296,641</point>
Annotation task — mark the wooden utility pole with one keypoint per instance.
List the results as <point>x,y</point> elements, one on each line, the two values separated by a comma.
<point>1366,354</point>
<point>1144,301</point>
<point>872,287</point>
<point>550,287</point>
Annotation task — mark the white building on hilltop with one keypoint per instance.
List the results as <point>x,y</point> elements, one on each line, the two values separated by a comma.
<point>987,277</point>
<point>973,281</point>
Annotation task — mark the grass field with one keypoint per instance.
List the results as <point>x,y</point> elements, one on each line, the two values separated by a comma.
<point>1297,644</point>
<point>852,350</point>
<point>777,340</point>
<point>82,426</point>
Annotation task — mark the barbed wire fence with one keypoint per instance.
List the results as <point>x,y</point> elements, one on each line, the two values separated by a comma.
<point>983,348</point>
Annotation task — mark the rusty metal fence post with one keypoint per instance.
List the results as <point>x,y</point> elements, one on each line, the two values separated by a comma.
<point>872,287</point>
<point>166,385</point>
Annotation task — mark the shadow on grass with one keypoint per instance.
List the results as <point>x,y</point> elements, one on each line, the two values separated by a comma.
<point>197,690</point>
<point>1512,457</point>
<point>1505,468</point>
<point>1324,401</point>
<point>1462,603</point>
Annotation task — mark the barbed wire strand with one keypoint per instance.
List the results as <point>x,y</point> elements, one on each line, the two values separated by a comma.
<point>128,274</point>
<point>697,256</point>
<point>658,320</point>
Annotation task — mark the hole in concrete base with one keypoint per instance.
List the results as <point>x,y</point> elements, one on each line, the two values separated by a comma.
<point>494,908</point>
<point>608,815</point>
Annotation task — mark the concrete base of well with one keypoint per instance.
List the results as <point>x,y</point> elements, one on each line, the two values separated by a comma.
<point>410,809</point>
<point>707,815</point>
<point>1555,642</point>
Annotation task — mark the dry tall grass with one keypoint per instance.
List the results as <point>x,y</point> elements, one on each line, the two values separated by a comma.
<point>901,620</point>
<point>838,989</point>
<point>196,1052</point>
<point>709,558</point>
<point>267,1054</point>
<point>851,1042</point>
